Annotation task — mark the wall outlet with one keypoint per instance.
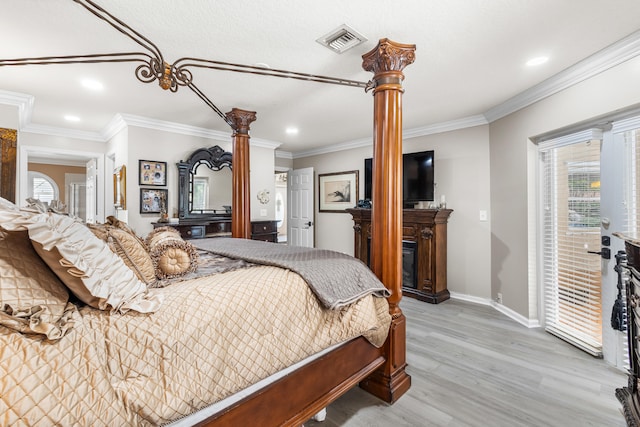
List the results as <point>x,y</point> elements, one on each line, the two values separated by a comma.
<point>263,212</point>
<point>499,298</point>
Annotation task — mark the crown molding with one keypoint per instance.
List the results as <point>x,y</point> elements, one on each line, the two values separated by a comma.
<point>349,145</point>
<point>284,154</point>
<point>609,57</point>
<point>449,126</point>
<point>179,128</point>
<point>63,132</point>
<point>23,102</point>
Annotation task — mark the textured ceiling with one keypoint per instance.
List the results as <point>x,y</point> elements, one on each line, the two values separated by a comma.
<point>470,58</point>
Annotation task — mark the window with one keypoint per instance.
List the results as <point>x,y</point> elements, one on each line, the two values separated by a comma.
<point>584,194</point>
<point>42,187</point>
<point>200,193</point>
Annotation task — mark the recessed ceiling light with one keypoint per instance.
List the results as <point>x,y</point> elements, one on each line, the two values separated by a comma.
<point>71,118</point>
<point>539,60</point>
<point>291,131</point>
<point>92,84</point>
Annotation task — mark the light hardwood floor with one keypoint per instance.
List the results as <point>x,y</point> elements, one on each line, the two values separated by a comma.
<point>473,366</point>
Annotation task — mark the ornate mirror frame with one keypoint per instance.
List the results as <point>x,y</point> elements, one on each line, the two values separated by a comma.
<point>215,158</point>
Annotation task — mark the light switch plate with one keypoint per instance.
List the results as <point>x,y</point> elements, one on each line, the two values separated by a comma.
<point>483,215</point>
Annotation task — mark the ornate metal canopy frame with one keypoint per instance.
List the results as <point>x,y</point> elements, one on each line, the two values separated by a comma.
<point>170,76</point>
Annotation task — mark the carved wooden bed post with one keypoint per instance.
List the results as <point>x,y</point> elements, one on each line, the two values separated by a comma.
<point>386,62</point>
<point>241,211</point>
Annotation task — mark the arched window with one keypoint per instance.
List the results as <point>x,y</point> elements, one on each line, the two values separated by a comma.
<point>42,187</point>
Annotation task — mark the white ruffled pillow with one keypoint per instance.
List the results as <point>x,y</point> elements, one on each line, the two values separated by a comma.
<point>82,261</point>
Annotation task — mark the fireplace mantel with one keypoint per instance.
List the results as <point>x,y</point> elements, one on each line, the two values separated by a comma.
<point>428,229</point>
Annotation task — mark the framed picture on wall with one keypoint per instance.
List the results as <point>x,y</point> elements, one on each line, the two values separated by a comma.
<point>120,187</point>
<point>152,173</point>
<point>153,200</point>
<point>338,191</point>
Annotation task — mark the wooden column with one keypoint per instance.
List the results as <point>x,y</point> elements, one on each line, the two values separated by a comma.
<point>8,155</point>
<point>386,62</point>
<point>241,209</point>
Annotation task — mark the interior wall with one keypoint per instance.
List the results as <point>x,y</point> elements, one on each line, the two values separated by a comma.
<point>155,145</point>
<point>262,166</point>
<point>334,230</point>
<point>117,151</point>
<point>160,146</point>
<point>513,220</point>
<point>462,171</point>
<point>57,172</point>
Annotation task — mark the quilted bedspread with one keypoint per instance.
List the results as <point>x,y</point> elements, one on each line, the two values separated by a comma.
<point>211,337</point>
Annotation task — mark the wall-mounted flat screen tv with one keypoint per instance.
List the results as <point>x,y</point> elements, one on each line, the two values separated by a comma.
<point>417,177</point>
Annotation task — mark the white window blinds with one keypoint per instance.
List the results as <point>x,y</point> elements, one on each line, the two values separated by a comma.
<point>571,228</point>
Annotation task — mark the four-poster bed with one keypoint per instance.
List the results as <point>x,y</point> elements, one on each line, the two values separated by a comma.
<point>381,372</point>
<point>297,395</point>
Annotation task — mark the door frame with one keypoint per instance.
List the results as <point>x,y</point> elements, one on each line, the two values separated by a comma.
<point>312,209</point>
<point>61,156</point>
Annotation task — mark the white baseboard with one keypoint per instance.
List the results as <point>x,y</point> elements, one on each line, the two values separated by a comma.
<point>529,323</point>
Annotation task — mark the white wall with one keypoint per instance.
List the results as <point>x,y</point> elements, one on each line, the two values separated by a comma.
<point>262,168</point>
<point>513,205</point>
<point>155,145</point>
<point>134,143</point>
<point>461,173</point>
<point>335,230</point>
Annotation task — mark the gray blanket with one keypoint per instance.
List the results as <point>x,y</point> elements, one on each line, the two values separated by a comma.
<point>337,279</point>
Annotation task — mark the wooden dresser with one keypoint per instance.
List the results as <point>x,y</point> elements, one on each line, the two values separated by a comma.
<point>200,228</point>
<point>629,396</point>
<point>221,227</point>
<point>264,230</point>
<point>424,250</point>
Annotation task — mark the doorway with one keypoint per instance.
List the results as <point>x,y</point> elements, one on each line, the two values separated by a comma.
<point>589,189</point>
<point>281,205</point>
<point>62,157</point>
<point>300,213</point>
<point>571,239</point>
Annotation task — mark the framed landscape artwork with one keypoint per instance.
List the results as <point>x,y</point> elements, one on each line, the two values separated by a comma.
<point>338,191</point>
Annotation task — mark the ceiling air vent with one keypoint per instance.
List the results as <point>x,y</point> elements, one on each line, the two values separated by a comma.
<point>342,39</point>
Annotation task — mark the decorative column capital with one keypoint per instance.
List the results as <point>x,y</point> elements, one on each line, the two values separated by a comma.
<point>386,61</point>
<point>241,120</point>
<point>388,56</point>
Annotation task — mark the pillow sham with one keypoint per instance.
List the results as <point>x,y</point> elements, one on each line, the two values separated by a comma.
<point>115,222</point>
<point>130,248</point>
<point>87,266</point>
<point>172,256</point>
<point>32,298</point>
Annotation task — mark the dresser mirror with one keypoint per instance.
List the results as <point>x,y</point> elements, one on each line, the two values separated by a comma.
<point>205,184</point>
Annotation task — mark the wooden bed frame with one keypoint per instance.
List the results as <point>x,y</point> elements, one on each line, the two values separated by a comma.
<point>298,396</point>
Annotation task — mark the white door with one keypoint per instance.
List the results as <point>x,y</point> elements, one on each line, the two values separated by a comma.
<point>620,212</point>
<point>571,239</point>
<point>91,191</point>
<point>300,212</point>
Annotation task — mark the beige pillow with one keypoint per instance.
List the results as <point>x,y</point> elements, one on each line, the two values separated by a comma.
<point>172,256</point>
<point>32,298</point>
<point>87,266</point>
<point>130,248</point>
